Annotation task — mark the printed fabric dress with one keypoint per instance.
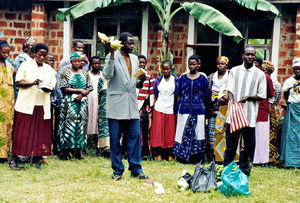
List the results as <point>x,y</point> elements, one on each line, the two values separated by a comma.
<point>103,133</point>
<point>73,114</point>
<point>6,108</point>
<point>190,130</point>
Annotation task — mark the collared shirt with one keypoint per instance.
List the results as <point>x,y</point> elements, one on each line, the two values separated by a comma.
<point>293,86</point>
<point>128,62</point>
<point>27,97</point>
<point>247,82</point>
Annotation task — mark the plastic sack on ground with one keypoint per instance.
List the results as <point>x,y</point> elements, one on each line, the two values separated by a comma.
<point>184,181</point>
<point>204,179</point>
<point>235,182</point>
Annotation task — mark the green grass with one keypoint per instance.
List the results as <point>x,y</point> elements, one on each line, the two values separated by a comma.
<point>90,180</point>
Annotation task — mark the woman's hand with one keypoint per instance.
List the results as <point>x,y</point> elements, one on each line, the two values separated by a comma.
<point>79,97</point>
<point>85,92</point>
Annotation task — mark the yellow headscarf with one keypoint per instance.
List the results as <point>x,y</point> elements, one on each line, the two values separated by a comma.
<point>223,59</point>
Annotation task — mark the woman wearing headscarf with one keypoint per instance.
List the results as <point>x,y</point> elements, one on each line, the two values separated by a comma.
<point>26,56</point>
<point>268,68</point>
<point>32,127</point>
<point>75,85</point>
<point>6,101</point>
<point>262,127</point>
<point>290,139</point>
<point>217,82</point>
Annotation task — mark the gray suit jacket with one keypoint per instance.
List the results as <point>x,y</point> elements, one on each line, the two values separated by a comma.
<point>121,99</point>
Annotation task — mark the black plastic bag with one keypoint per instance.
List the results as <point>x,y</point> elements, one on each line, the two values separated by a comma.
<point>204,179</point>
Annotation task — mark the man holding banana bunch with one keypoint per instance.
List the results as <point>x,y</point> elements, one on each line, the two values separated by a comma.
<point>122,108</point>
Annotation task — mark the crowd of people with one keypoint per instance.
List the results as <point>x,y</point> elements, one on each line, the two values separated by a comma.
<point>81,106</point>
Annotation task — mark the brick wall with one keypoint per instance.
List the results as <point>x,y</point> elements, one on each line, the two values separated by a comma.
<point>288,49</point>
<point>38,22</point>
<point>16,27</point>
<point>177,43</point>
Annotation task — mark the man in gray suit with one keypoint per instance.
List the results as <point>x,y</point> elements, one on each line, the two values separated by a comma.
<point>122,109</point>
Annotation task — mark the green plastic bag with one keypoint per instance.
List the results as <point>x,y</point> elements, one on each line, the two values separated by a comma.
<point>235,182</point>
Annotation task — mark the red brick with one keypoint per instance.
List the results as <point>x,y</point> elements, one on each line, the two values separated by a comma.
<point>290,71</point>
<point>19,25</point>
<point>20,33</point>
<point>292,37</point>
<point>178,45</point>
<point>281,71</point>
<point>290,29</point>
<point>287,62</point>
<point>1,15</point>
<point>37,16</point>
<point>28,25</point>
<point>177,61</point>
<point>55,57</point>
<point>289,46</point>
<point>42,8</point>
<point>19,40</point>
<point>298,12</point>
<point>19,49</point>
<point>10,32</point>
<point>53,42</point>
<point>151,36</point>
<point>282,53</point>
<point>42,25</point>
<point>26,17</point>
<point>54,26</point>
<point>296,45</point>
<point>53,50</point>
<point>37,33</point>
<point>296,53</point>
<point>60,34</point>
<point>60,50</point>
<point>159,35</point>
<point>10,16</point>
<point>3,24</point>
<point>32,24</point>
<point>26,33</point>
<point>53,34</point>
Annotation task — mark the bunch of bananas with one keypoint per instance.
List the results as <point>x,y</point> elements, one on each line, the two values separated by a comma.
<point>110,41</point>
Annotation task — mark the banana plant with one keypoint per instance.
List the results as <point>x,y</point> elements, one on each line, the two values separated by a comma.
<point>205,14</point>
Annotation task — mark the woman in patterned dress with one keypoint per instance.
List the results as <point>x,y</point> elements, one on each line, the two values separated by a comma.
<point>103,133</point>
<point>194,98</point>
<point>6,101</point>
<point>75,85</point>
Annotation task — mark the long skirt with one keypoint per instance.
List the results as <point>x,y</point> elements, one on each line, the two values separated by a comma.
<point>290,140</point>
<point>262,135</point>
<point>163,130</point>
<point>32,134</point>
<point>103,132</point>
<point>220,135</point>
<point>190,136</point>
<point>274,139</point>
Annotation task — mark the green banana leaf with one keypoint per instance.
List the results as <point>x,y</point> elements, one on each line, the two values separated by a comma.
<point>84,7</point>
<point>259,5</point>
<point>210,16</point>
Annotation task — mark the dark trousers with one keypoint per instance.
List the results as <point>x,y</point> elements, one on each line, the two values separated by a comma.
<point>247,154</point>
<point>144,123</point>
<point>131,132</point>
<point>55,137</point>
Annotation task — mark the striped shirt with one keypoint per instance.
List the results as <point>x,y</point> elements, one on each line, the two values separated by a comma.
<point>247,82</point>
<point>146,91</point>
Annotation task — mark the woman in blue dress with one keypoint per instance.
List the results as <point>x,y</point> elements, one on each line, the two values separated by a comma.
<point>190,131</point>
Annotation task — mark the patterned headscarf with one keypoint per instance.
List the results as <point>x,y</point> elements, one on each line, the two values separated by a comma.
<point>268,66</point>
<point>223,59</point>
<point>26,43</point>
<point>74,55</point>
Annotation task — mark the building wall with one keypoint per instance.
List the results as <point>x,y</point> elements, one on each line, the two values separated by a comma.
<point>177,42</point>
<point>288,49</point>
<point>38,22</point>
